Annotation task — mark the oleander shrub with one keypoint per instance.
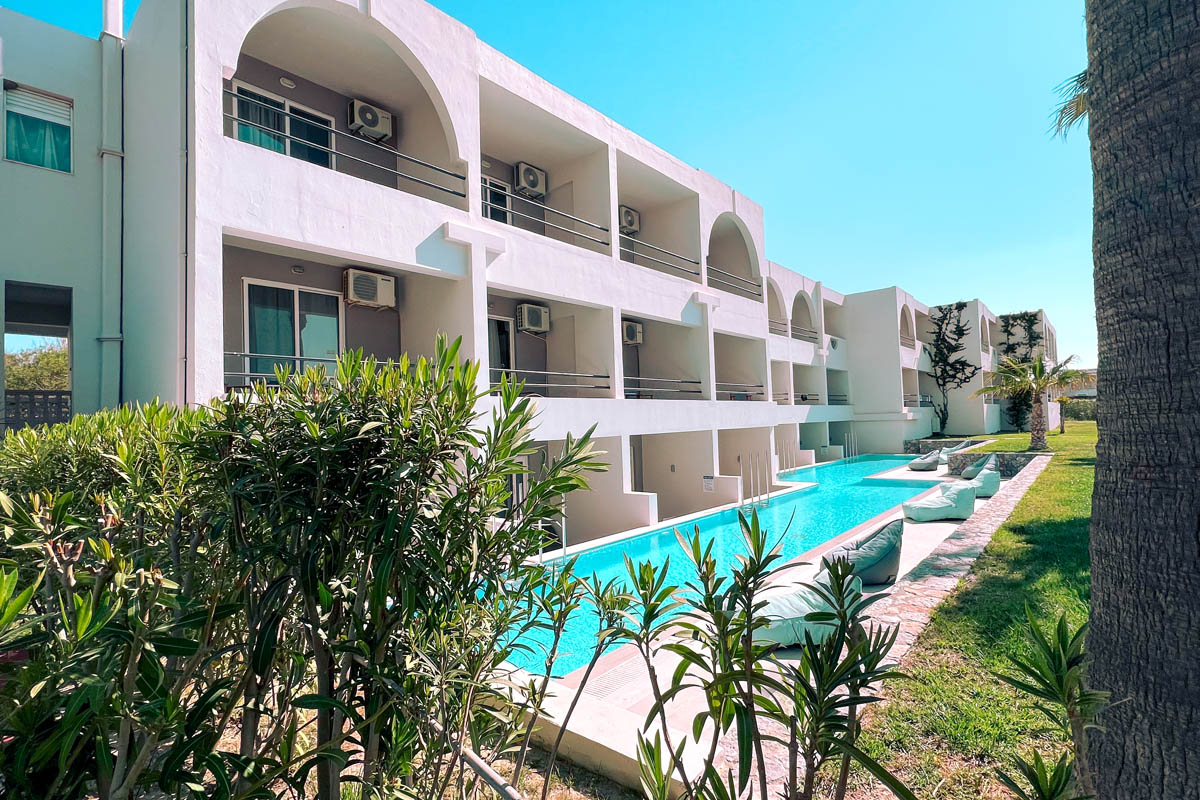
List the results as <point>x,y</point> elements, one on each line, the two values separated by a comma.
<point>1081,409</point>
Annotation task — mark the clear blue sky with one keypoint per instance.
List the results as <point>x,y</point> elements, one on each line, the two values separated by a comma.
<point>888,142</point>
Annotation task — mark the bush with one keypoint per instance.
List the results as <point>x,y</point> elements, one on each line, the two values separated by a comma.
<point>1080,409</point>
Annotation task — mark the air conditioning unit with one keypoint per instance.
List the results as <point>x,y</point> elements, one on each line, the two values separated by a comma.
<point>631,221</point>
<point>371,121</point>
<point>533,318</point>
<point>531,181</point>
<point>363,288</point>
<point>631,332</point>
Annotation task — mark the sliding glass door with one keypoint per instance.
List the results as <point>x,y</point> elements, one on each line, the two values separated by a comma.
<point>287,326</point>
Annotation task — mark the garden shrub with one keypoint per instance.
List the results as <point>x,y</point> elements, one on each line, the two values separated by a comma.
<point>1080,408</point>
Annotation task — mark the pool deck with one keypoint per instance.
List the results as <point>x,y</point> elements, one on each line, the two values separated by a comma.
<point>601,733</point>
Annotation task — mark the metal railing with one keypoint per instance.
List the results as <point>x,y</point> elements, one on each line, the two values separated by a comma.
<point>358,140</point>
<point>805,334</point>
<point>777,326</point>
<point>634,254</point>
<point>640,391</point>
<point>808,398</point>
<point>736,282</point>
<point>908,341</point>
<point>918,400</point>
<point>991,400</point>
<point>549,379</point>
<point>35,407</point>
<point>782,397</point>
<point>244,378</point>
<point>838,399</point>
<point>490,189</point>
<point>739,391</point>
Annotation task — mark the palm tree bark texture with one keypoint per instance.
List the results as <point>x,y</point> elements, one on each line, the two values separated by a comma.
<point>1144,99</point>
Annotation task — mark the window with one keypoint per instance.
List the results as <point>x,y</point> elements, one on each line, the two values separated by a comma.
<point>37,128</point>
<point>283,126</point>
<point>495,199</point>
<point>304,325</point>
<point>37,354</point>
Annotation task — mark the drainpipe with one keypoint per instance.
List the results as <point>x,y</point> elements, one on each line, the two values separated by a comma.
<point>112,201</point>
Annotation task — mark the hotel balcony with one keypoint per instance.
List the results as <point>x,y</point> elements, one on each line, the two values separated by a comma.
<point>290,310</point>
<point>569,358</point>
<point>741,368</point>
<point>732,259</point>
<point>323,89</point>
<point>658,220</point>
<point>669,363</point>
<point>541,174</point>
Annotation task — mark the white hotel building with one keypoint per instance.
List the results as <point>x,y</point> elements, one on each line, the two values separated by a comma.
<point>256,177</point>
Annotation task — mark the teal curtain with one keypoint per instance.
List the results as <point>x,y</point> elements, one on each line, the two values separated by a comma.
<point>37,141</point>
<point>272,328</point>
<point>261,110</point>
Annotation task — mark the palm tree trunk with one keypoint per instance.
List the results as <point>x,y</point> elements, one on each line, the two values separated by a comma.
<point>1037,423</point>
<point>1144,72</point>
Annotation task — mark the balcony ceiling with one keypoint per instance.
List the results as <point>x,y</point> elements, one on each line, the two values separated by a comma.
<point>336,52</point>
<point>514,129</point>
<point>644,187</point>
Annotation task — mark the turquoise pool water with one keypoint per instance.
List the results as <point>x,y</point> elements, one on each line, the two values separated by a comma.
<point>844,497</point>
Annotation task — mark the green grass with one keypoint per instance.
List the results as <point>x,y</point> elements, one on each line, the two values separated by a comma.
<point>945,730</point>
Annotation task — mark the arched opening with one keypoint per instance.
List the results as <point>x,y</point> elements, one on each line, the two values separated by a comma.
<point>777,320</point>
<point>341,91</point>
<point>804,323</point>
<point>732,259</point>
<point>907,339</point>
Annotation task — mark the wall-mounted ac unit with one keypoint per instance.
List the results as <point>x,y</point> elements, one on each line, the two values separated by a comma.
<point>363,288</point>
<point>371,121</point>
<point>533,318</point>
<point>631,332</point>
<point>531,181</point>
<point>631,220</point>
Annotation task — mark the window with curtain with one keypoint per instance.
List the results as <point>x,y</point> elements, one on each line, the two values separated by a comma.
<point>279,125</point>
<point>37,129</point>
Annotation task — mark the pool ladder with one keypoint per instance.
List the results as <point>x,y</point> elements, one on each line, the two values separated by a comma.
<point>756,484</point>
<point>850,445</point>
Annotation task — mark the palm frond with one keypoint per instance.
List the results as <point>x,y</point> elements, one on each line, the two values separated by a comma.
<point>1073,104</point>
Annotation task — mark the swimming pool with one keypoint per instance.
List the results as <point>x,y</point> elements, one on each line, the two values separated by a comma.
<point>840,500</point>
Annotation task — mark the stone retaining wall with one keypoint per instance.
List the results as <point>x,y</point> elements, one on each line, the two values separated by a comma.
<point>1010,463</point>
<point>923,446</point>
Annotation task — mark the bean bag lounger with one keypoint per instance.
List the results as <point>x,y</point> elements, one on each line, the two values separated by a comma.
<point>946,451</point>
<point>956,500</point>
<point>926,463</point>
<point>875,556</point>
<point>986,462</point>
<point>787,605</point>
<point>986,483</point>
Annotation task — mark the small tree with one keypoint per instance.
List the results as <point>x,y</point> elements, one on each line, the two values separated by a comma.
<point>949,370</point>
<point>1032,379</point>
<point>46,367</point>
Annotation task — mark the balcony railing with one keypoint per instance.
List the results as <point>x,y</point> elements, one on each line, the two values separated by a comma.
<point>35,407</point>
<point>805,334</point>
<point>777,326</point>
<point>739,391</point>
<point>251,368</point>
<point>918,400</point>
<point>808,398</point>
<point>628,246</point>
<point>784,398</point>
<point>491,190</point>
<point>639,388</point>
<point>839,399</point>
<point>735,282</point>
<point>333,153</point>
<point>908,341</point>
<point>535,379</point>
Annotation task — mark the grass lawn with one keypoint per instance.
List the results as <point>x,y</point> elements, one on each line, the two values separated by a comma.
<point>944,731</point>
